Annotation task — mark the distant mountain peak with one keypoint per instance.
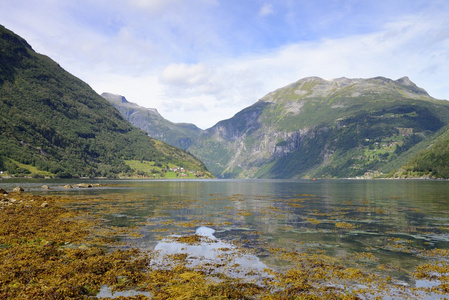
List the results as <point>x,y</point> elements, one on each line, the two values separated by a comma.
<point>405,80</point>
<point>119,99</point>
<point>319,88</point>
<point>115,97</point>
<point>179,135</point>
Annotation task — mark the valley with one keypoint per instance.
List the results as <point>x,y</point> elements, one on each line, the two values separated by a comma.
<point>341,128</point>
<point>55,125</point>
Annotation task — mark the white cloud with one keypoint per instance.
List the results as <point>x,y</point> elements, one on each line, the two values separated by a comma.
<point>266,9</point>
<point>186,76</point>
<point>154,6</point>
<point>158,6</point>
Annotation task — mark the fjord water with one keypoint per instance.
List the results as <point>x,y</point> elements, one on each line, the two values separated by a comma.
<point>394,221</point>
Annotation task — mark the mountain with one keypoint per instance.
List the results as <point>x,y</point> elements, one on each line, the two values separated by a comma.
<point>180,135</point>
<point>53,124</point>
<point>325,128</point>
<point>431,162</point>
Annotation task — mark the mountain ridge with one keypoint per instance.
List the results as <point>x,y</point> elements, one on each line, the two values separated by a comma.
<point>377,125</point>
<point>288,133</point>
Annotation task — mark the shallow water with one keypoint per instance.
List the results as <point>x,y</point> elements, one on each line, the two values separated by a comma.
<point>385,225</point>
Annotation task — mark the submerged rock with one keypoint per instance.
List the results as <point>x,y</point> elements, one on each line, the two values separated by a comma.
<point>106,292</point>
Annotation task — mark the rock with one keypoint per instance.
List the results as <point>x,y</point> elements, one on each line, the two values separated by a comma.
<point>84,185</point>
<point>46,187</point>
<point>18,189</point>
<point>45,204</point>
<point>3,192</point>
<point>68,186</point>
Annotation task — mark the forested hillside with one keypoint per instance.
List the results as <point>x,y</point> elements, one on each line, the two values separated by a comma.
<point>431,162</point>
<point>53,124</point>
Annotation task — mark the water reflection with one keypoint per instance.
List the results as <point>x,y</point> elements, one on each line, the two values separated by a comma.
<point>205,250</point>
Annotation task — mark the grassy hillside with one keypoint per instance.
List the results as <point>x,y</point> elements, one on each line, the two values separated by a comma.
<point>54,122</point>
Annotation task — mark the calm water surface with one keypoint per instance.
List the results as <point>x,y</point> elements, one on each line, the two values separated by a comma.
<point>393,220</point>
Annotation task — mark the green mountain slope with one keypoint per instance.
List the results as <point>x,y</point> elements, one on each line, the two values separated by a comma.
<point>52,123</point>
<point>430,162</point>
<point>319,128</point>
<point>180,135</point>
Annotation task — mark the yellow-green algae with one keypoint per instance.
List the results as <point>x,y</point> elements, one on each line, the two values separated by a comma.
<point>50,251</point>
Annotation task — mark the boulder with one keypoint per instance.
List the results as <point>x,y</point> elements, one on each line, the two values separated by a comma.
<point>46,187</point>
<point>68,186</point>
<point>18,189</point>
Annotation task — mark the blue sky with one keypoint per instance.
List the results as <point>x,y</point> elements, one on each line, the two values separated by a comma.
<point>201,61</point>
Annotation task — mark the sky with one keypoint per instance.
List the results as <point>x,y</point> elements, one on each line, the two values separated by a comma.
<point>202,61</point>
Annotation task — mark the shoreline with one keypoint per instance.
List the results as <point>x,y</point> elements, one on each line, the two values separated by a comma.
<point>204,178</point>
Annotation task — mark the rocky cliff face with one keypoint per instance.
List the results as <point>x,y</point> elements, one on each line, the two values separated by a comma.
<point>329,128</point>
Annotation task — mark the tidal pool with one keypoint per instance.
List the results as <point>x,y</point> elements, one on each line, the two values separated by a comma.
<point>395,230</point>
